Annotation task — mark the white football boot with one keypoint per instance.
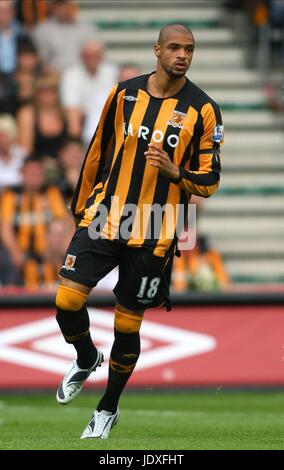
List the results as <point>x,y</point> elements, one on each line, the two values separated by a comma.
<point>100,425</point>
<point>74,380</point>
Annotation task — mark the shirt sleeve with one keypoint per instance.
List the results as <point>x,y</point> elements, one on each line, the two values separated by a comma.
<point>91,171</point>
<point>203,175</point>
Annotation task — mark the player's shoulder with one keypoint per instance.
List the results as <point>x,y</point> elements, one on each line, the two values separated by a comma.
<point>200,97</point>
<point>133,83</point>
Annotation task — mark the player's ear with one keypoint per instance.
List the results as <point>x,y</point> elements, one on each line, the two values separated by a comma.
<point>157,50</point>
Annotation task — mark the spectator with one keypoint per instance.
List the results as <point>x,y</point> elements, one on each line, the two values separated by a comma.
<point>8,273</point>
<point>28,59</point>
<point>60,38</point>
<point>128,71</point>
<point>11,155</point>
<point>10,34</point>
<point>71,156</point>
<point>32,12</point>
<point>18,88</point>
<point>42,125</point>
<point>85,87</point>
<point>277,31</point>
<point>201,268</point>
<point>59,234</point>
<point>8,94</point>
<point>28,70</point>
<point>26,215</point>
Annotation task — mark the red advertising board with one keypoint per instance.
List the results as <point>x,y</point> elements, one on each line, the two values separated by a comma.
<point>188,347</point>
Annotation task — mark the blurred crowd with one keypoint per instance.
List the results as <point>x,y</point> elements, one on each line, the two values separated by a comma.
<point>54,80</point>
<point>267,14</point>
<point>264,28</point>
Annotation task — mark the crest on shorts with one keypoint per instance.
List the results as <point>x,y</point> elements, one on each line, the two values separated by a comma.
<point>177,119</point>
<point>69,262</point>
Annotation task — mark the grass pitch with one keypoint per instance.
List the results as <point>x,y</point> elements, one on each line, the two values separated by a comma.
<point>148,421</point>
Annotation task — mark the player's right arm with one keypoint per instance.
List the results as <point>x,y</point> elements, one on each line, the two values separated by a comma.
<point>91,171</point>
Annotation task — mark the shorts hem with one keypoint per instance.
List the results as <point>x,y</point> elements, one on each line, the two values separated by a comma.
<point>77,279</point>
<point>137,306</point>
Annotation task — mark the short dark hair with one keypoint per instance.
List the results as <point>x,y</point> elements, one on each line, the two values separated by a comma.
<point>32,159</point>
<point>26,46</point>
<point>70,140</point>
<point>176,27</point>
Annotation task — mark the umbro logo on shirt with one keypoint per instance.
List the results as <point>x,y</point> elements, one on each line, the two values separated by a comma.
<point>130,98</point>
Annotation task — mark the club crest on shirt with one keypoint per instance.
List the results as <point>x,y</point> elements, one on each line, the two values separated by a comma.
<point>69,262</point>
<point>218,133</point>
<point>177,119</point>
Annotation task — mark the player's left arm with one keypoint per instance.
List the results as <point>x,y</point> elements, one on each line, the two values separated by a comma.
<point>204,180</point>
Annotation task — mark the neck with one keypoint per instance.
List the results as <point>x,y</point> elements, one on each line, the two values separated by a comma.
<point>92,70</point>
<point>161,85</point>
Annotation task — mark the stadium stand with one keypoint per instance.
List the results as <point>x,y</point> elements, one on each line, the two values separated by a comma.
<point>227,293</point>
<point>243,220</point>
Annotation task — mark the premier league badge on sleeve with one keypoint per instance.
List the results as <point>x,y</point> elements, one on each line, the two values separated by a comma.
<point>218,133</point>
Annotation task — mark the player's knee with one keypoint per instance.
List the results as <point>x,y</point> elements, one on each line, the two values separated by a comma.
<point>69,299</point>
<point>127,322</point>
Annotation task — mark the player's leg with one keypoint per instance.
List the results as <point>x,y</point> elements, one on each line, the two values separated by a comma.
<point>124,355</point>
<point>87,261</point>
<point>123,358</point>
<point>143,283</point>
<point>73,319</point>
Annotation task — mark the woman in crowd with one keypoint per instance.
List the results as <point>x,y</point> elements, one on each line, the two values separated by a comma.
<point>42,125</point>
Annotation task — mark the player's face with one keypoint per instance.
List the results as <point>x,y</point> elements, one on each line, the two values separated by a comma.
<point>175,54</point>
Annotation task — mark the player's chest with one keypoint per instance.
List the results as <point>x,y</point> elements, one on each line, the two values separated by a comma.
<point>168,123</point>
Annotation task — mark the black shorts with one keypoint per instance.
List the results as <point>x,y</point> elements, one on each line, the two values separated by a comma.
<point>143,280</point>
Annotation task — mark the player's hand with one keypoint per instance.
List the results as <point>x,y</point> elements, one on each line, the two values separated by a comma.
<point>158,158</point>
